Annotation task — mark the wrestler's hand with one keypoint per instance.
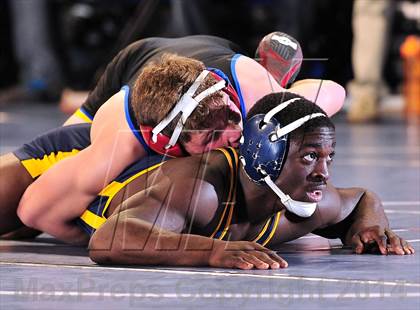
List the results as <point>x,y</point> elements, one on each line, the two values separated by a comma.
<point>244,255</point>
<point>381,240</point>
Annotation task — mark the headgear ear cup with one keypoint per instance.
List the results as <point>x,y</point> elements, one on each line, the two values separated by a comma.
<point>258,152</point>
<point>162,141</point>
<point>281,55</point>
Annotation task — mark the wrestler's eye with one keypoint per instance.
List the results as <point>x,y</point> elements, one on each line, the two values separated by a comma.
<point>310,157</point>
<point>331,157</point>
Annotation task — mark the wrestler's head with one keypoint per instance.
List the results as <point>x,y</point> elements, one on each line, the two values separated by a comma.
<point>297,162</point>
<point>215,122</point>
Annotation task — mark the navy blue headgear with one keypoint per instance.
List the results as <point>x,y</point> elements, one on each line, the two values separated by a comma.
<point>264,143</point>
<point>258,152</point>
<point>263,150</point>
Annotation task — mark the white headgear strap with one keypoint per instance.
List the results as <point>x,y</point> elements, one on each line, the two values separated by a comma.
<point>300,208</point>
<point>278,108</point>
<point>186,106</point>
<point>281,131</point>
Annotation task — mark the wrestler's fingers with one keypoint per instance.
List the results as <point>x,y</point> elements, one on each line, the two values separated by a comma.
<point>357,244</point>
<point>406,247</point>
<point>255,260</point>
<point>240,263</point>
<point>365,238</point>
<point>273,262</point>
<point>411,249</point>
<point>272,254</point>
<point>381,241</point>
<point>283,263</point>
<point>395,242</point>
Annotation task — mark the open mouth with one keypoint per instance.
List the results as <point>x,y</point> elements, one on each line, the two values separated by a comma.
<point>314,195</point>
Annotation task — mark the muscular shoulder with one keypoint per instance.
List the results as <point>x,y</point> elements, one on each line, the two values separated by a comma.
<point>338,203</point>
<point>110,126</point>
<point>111,112</point>
<point>255,81</point>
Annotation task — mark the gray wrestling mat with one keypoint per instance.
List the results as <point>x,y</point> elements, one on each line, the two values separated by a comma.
<point>46,274</point>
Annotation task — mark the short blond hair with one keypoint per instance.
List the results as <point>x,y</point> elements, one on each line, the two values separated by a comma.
<point>161,84</point>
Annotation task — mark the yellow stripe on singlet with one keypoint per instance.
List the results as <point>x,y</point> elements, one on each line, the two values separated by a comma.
<point>92,219</point>
<point>231,202</point>
<point>231,196</point>
<point>263,230</point>
<point>273,230</point>
<point>96,221</point>
<point>114,187</point>
<point>37,166</point>
<point>82,115</point>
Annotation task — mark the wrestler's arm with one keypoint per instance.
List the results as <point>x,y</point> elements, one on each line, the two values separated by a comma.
<point>362,224</point>
<point>63,192</point>
<point>354,215</point>
<point>328,211</point>
<point>154,233</point>
<point>257,82</point>
<point>327,94</point>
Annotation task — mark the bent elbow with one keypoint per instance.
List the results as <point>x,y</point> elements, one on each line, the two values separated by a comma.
<point>101,257</point>
<point>26,214</point>
<point>335,95</point>
<point>101,251</point>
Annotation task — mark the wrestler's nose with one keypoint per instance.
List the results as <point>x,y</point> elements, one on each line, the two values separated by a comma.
<point>321,171</point>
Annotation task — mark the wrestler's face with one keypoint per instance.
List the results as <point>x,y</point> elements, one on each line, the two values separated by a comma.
<point>205,140</point>
<point>306,170</point>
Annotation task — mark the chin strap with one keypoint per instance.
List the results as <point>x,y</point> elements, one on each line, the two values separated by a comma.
<point>300,208</point>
